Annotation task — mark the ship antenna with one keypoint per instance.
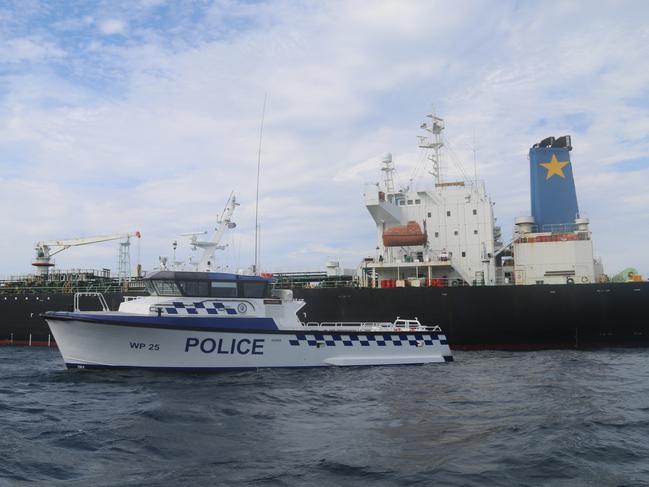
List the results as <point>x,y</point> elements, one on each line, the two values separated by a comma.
<point>435,127</point>
<point>475,159</point>
<point>261,131</point>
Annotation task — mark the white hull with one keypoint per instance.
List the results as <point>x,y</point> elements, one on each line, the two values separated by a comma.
<point>97,345</point>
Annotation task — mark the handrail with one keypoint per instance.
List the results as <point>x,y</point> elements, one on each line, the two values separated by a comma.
<point>368,325</point>
<point>99,296</point>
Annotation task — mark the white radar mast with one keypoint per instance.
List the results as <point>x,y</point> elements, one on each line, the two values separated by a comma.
<point>388,169</point>
<point>433,143</point>
<point>206,263</point>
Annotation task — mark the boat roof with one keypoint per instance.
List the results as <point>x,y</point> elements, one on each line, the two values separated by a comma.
<point>203,276</point>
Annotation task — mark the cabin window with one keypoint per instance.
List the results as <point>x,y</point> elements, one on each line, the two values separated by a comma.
<point>448,213</point>
<point>150,287</point>
<point>410,202</point>
<point>455,233</point>
<point>223,289</point>
<point>166,288</point>
<point>475,232</point>
<point>195,288</point>
<point>253,289</point>
<point>402,202</point>
<point>475,212</point>
<point>429,214</point>
<point>417,202</point>
<point>436,234</point>
<point>463,254</point>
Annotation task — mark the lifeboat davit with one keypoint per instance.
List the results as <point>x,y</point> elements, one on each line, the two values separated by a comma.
<point>404,236</point>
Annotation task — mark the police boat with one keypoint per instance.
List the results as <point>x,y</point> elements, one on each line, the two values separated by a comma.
<point>217,321</point>
<point>206,320</point>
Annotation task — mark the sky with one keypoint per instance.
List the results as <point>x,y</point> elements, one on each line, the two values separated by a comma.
<point>118,116</point>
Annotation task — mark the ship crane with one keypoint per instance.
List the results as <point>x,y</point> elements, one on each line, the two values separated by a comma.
<point>45,250</point>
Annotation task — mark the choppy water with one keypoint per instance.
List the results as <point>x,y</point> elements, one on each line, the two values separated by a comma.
<point>491,418</point>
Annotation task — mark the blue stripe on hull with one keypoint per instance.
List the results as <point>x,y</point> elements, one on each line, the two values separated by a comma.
<point>168,322</point>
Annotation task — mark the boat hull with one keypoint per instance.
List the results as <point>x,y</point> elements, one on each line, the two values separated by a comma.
<point>86,344</point>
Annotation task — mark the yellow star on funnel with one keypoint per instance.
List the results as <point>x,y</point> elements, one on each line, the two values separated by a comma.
<point>554,167</point>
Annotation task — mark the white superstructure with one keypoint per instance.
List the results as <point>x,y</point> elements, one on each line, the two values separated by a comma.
<point>446,235</point>
<point>456,238</point>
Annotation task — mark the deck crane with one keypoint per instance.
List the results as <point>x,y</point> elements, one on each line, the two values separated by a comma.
<point>44,252</point>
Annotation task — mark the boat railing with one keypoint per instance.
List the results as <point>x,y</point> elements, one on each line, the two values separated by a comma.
<point>370,326</point>
<point>99,296</point>
<point>347,324</point>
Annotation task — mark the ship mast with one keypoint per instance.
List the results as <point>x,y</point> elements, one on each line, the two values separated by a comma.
<point>388,169</point>
<point>434,143</point>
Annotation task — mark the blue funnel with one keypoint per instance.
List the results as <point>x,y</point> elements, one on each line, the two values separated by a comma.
<point>554,199</point>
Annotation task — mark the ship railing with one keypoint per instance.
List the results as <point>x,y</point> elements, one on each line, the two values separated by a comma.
<point>99,296</point>
<point>424,282</point>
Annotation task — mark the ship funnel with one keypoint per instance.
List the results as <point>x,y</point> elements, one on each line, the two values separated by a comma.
<point>554,199</point>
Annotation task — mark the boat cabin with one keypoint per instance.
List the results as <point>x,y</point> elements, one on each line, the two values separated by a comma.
<point>206,285</point>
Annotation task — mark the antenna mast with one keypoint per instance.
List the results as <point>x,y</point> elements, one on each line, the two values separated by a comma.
<point>435,143</point>
<point>261,131</point>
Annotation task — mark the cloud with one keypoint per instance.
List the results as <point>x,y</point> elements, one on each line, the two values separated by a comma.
<point>28,50</point>
<point>111,27</point>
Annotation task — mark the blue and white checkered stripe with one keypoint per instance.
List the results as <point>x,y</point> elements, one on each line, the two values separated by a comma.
<point>359,340</point>
<point>200,308</point>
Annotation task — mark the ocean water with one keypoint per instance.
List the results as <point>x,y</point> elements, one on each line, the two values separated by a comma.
<point>564,418</point>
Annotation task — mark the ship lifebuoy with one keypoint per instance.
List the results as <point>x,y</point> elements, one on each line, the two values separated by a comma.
<point>455,283</point>
<point>570,280</point>
<point>584,279</point>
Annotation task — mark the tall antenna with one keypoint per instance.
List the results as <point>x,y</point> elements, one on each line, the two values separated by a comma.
<point>475,159</point>
<point>261,131</point>
<point>434,142</point>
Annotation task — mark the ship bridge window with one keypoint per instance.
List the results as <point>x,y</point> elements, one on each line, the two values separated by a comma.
<point>198,289</point>
<point>448,213</point>
<point>402,202</point>
<point>223,289</point>
<point>165,287</point>
<point>436,234</point>
<point>475,212</point>
<point>417,202</point>
<point>429,214</point>
<point>410,202</point>
<point>253,289</point>
<point>475,232</point>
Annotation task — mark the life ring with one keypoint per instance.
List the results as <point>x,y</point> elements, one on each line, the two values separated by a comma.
<point>570,280</point>
<point>455,283</point>
<point>584,279</point>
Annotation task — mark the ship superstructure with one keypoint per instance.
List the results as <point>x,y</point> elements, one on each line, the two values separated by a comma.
<point>445,235</point>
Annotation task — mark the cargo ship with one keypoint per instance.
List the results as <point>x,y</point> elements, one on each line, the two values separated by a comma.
<point>440,255</point>
<point>440,258</point>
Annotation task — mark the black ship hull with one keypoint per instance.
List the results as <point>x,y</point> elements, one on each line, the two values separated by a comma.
<point>499,317</point>
<point>20,321</point>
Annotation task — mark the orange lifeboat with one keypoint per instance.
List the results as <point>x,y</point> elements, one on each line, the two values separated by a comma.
<point>404,235</point>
